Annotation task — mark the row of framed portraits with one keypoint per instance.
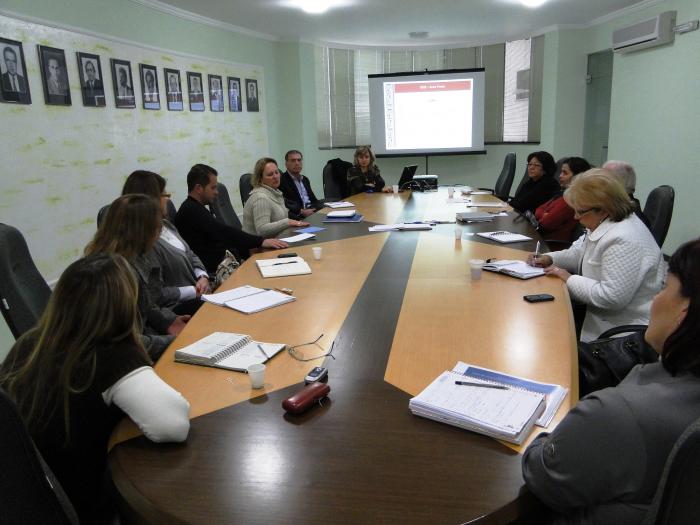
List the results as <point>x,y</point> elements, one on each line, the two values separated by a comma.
<point>14,85</point>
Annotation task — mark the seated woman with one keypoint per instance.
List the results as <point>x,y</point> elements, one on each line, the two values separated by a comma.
<point>364,174</point>
<point>264,213</point>
<point>540,185</point>
<point>76,374</point>
<point>131,228</point>
<point>603,462</point>
<point>556,217</point>
<point>184,277</point>
<point>616,268</point>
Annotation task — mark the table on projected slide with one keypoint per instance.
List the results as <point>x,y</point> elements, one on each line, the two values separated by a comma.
<point>401,309</point>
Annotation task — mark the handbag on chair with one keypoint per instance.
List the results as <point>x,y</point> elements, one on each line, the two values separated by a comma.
<point>607,360</point>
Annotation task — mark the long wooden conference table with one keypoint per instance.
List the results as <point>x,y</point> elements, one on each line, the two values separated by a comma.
<point>400,308</point>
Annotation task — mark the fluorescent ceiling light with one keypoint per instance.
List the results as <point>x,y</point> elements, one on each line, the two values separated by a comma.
<point>316,7</point>
<point>532,3</point>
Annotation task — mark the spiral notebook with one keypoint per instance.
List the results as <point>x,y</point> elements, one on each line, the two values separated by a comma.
<point>504,237</point>
<point>227,350</point>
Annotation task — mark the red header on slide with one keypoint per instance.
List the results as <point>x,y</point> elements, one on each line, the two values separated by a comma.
<point>428,87</point>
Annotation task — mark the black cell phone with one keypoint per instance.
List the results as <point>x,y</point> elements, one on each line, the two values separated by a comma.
<point>284,255</point>
<point>538,298</point>
<point>317,374</point>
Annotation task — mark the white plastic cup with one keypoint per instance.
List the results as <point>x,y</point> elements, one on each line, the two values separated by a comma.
<point>450,192</point>
<point>317,250</point>
<point>458,232</point>
<point>476,265</point>
<point>256,372</point>
<point>395,188</point>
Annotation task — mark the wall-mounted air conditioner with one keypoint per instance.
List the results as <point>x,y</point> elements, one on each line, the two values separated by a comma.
<point>649,33</point>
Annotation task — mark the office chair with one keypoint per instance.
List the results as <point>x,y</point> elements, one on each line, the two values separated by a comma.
<point>29,491</point>
<point>335,184</point>
<point>505,179</point>
<point>101,214</point>
<point>223,209</point>
<point>23,291</point>
<point>659,210</point>
<point>331,191</point>
<point>245,186</point>
<point>171,211</point>
<point>675,501</point>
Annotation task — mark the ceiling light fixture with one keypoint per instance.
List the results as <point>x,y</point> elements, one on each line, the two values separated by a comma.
<point>316,7</point>
<point>418,34</point>
<point>532,3</point>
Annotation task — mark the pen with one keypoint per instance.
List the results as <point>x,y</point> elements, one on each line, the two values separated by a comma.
<point>263,351</point>
<point>289,262</point>
<point>482,385</point>
<point>537,250</point>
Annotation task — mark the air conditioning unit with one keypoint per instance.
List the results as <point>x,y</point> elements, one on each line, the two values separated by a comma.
<point>649,33</point>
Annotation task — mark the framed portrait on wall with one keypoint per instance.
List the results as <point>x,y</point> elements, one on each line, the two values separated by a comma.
<point>251,95</point>
<point>54,76</point>
<point>123,83</point>
<point>216,93</point>
<point>91,80</point>
<point>14,86</point>
<point>149,86</point>
<point>194,88</point>
<point>234,94</point>
<point>173,89</point>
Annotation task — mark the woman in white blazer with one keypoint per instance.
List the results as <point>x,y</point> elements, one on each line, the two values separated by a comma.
<point>615,267</point>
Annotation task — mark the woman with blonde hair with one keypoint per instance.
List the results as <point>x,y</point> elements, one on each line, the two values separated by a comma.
<point>76,374</point>
<point>616,267</point>
<point>364,173</point>
<point>131,228</point>
<point>265,213</point>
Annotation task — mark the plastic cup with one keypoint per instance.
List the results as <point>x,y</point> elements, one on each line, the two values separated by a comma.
<point>317,250</point>
<point>458,232</point>
<point>395,188</point>
<point>476,265</point>
<point>256,372</point>
<point>450,192</point>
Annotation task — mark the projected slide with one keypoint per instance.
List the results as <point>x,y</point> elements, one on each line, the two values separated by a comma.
<point>428,114</point>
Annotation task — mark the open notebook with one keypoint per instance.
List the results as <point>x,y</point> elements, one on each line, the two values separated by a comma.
<point>283,267</point>
<point>227,350</point>
<point>518,269</point>
<point>248,299</point>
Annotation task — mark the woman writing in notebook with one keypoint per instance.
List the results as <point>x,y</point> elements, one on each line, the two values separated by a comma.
<point>603,462</point>
<point>364,173</point>
<point>616,267</point>
<point>76,374</point>
<point>265,213</point>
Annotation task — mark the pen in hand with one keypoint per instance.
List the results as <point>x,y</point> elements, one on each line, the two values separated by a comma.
<point>481,385</point>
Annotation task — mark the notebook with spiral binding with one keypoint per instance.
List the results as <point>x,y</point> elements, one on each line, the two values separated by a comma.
<point>504,237</point>
<point>227,350</point>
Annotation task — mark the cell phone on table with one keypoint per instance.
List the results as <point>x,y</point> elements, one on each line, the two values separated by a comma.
<point>285,255</point>
<point>538,298</point>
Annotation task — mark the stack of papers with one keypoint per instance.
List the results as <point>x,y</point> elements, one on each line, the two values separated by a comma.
<point>504,236</point>
<point>401,227</point>
<point>474,216</point>
<point>283,267</point>
<point>519,269</point>
<point>340,204</point>
<point>342,213</point>
<point>248,299</point>
<point>354,217</point>
<point>298,238</point>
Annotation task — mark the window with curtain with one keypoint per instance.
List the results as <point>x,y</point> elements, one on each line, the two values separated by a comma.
<point>513,87</point>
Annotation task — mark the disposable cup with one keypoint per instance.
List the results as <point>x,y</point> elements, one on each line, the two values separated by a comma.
<point>256,372</point>
<point>395,188</point>
<point>475,266</point>
<point>317,250</point>
<point>450,192</point>
<point>458,232</point>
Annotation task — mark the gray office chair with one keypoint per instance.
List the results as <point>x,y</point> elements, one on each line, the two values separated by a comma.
<point>505,179</point>
<point>675,501</point>
<point>245,187</point>
<point>223,209</point>
<point>23,291</point>
<point>29,491</point>
<point>659,210</point>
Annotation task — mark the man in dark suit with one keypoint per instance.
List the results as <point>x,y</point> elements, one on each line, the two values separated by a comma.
<point>94,90</point>
<point>296,188</point>
<point>14,86</point>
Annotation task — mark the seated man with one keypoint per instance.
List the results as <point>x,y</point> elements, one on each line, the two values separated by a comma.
<point>628,177</point>
<point>208,237</point>
<point>299,198</point>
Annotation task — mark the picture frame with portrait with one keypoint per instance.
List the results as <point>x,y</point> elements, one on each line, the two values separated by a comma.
<point>54,76</point>
<point>123,83</point>
<point>91,80</point>
<point>150,94</point>
<point>216,93</point>
<point>14,84</point>
<point>251,95</point>
<point>195,91</point>
<point>173,89</point>
<point>235,102</point>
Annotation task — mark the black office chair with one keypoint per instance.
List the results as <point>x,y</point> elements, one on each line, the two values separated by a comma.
<point>171,211</point>
<point>675,501</point>
<point>223,209</point>
<point>23,291</point>
<point>522,182</point>
<point>335,186</point>
<point>245,186</point>
<point>505,179</point>
<point>29,491</point>
<point>659,210</point>
<point>101,214</point>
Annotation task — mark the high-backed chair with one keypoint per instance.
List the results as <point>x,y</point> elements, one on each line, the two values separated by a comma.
<point>101,214</point>
<point>335,179</point>
<point>675,501</point>
<point>522,182</point>
<point>505,179</point>
<point>245,186</point>
<point>171,211</point>
<point>29,491</point>
<point>659,210</point>
<point>23,291</point>
<point>223,209</point>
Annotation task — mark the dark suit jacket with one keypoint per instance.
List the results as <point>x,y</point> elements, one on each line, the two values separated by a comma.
<point>19,96</point>
<point>292,198</point>
<point>96,91</point>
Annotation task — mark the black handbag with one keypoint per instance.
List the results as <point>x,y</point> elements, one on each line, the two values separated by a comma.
<point>607,360</point>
